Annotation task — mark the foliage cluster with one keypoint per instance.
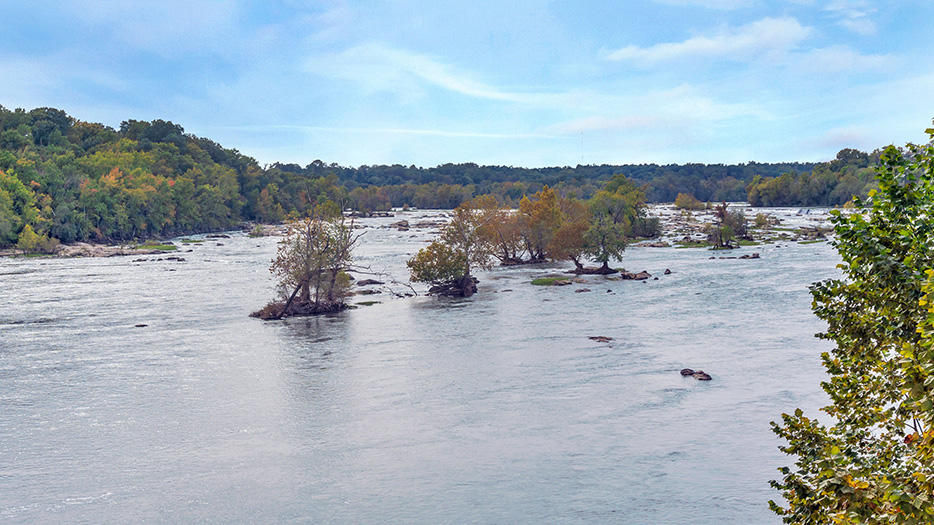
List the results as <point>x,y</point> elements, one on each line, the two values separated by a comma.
<point>728,226</point>
<point>311,265</point>
<point>831,183</point>
<point>873,461</point>
<point>686,201</point>
<point>545,226</point>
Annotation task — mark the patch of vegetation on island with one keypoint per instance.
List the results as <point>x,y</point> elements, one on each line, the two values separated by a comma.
<point>692,244</point>
<point>548,281</point>
<point>154,245</point>
<point>257,231</point>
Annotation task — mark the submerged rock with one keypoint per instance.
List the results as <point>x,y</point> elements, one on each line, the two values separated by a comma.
<point>600,338</point>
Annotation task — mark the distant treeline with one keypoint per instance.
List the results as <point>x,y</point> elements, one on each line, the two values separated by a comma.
<point>404,185</point>
<point>65,179</point>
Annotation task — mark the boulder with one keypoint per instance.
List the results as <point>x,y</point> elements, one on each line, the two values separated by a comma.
<point>600,338</point>
<point>641,276</point>
<point>368,282</point>
<point>687,372</point>
<point>700,375</point>
<point>667,271</point>
<point>582,290</point>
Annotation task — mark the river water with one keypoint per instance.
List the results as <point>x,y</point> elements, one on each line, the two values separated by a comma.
<point>494,409</point>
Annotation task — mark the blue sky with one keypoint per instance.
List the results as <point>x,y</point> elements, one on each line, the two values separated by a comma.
<point>520,83</point>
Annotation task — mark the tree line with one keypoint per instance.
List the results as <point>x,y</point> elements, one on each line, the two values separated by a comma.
<point>62,179</point>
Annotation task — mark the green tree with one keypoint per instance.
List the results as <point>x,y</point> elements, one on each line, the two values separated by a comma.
<point>29,241</point>
<point>686,201</point>
<point>614,209</point>
<point>464,245</point>
<point>874,461</point>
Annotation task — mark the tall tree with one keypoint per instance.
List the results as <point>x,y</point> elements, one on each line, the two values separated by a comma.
<point>874,461</point>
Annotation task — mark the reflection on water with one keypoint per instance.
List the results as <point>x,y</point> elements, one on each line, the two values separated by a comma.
<point>493,409</point>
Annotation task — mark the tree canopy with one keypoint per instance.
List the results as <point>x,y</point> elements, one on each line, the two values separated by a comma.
<point>873,462</point>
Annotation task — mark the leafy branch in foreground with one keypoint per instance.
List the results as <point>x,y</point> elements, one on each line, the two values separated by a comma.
<point>875,463</point>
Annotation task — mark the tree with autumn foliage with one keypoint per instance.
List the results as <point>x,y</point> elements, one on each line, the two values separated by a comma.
<point>539,219</point>
<point>873,461</point>
<point>568,240</point>
<point>500,230</point>
<point>311,265</point>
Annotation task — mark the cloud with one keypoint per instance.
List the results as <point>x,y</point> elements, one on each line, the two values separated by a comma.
<point>658,111</point>
<point>854,15</point>
<point>381,68</point>
<point>767,36</point>
<point>837,59</point>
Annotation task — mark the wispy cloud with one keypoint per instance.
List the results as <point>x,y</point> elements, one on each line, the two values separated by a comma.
<point>854,15</point>
<point>391,131</point>
<point>386,68</point>
<point>762,37</point>
<point>837,59</point>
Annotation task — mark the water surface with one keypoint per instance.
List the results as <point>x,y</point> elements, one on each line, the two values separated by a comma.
<point>419,410</point>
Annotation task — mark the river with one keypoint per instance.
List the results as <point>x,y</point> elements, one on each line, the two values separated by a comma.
<point>494,409</point>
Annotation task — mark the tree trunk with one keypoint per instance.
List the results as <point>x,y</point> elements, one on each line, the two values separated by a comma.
<point>291,298</point>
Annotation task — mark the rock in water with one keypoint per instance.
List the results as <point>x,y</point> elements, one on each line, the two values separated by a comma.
<point>667,271</point>
<point>600,338</point>
<point>687,372</point>
<point>700,375</point>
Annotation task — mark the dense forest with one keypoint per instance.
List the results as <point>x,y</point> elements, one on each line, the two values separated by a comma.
<point>63,179</point>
